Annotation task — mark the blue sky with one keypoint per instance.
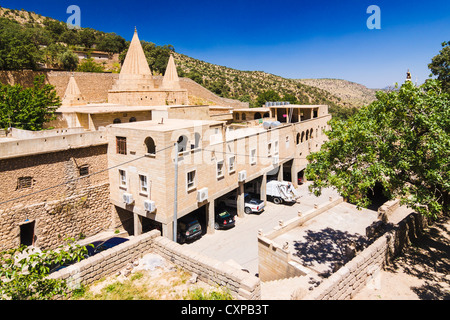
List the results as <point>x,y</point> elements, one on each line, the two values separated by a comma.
<point>290,38</point>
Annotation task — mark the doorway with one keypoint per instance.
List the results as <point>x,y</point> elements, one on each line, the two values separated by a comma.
<point>27,233</point>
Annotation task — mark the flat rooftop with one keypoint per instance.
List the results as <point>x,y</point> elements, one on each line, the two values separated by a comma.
<point>166,124</point>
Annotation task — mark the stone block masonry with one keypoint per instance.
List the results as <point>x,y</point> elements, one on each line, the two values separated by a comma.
<point>241,284</point>
<point>361,270</point>
<point>86,213</point>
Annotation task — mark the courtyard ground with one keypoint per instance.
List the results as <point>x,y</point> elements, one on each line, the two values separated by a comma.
<point>422,272</point>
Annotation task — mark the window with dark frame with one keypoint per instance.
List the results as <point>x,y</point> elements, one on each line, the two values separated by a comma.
<point>84,170</point>
<point>121,145</point>
<point>24,182</point>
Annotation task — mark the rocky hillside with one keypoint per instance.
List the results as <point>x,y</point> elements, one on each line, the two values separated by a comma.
<point>350,93</point>
<point>247,85</point>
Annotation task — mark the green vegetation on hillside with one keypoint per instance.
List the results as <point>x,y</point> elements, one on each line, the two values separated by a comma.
<point>29,41</point>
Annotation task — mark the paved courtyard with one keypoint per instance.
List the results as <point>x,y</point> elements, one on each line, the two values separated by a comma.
<point>240,242</point>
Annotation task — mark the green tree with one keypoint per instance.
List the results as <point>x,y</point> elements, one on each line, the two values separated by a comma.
<point>89,65</point>
<point>24,271</point>
<point>267,96</point>
<point>111,42</point>
<point>28,108</point>
<point>17,49</point>
<point>69,60</point>
<point>401,141</point>
<point>440,66</point>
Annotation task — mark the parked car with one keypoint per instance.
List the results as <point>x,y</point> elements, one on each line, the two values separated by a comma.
<point>102,245</point>
<point>251,203</point>
<point>188,229</point>
<point>223,219</point>
<point>92,249</point>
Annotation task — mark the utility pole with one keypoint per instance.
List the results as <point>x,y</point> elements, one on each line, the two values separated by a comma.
<point>175,204</point>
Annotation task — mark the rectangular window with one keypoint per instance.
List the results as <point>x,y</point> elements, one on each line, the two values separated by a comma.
<point>231,163</point>
<point>276,147</point>
<point>121,145</point>
<point>253,156</point>
<point>220,169</point>
<point>269,149</point>
<point>143,184</point>
<point>191,180</point>
<point>84,170</point>
<point>24,182</point>
<point>122,178</point>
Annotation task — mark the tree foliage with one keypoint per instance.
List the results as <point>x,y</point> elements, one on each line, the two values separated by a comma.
<point>440,66</point>
<point>401,141</point>
<point>24,271</point>
<point>28,108</point>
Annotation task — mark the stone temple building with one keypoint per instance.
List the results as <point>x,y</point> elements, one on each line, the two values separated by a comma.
<point>110,165</point>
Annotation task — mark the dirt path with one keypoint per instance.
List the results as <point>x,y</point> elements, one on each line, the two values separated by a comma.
<point>422,272</point>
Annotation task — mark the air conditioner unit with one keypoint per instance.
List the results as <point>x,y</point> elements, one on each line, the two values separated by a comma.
<point>149,205</point>
<point>242,175</point>
<point>275,159</point>
<point>128,198</point>
<point>202,195</point>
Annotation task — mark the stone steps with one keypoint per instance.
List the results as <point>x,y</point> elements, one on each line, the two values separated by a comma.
<point>282,289</point>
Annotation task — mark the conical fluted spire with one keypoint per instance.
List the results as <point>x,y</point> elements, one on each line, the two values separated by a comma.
<point>171,80</point>
<point>73,95</point>
<point>135,73</point>
<point>135,61</point>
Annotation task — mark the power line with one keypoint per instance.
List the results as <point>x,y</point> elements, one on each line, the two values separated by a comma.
<point>80,178</point>
<point>135,159</point>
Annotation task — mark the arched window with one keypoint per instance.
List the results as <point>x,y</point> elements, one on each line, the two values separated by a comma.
<point>257,115</point>
<point>266,115</point>
<point>244,117</point>
<point>303,136</point>
<point>307,135</point>
<point>298,138</point>
<point>182,143</point>
<point>311,131</point>
<point>133,119</point>
<point>150,144</point>
<point>117,120</point>
<point>236,116</point>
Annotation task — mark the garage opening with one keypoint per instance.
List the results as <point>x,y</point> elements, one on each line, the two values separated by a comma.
<point>301,176</point>
<point>27,233</point>
<point>192,226</point>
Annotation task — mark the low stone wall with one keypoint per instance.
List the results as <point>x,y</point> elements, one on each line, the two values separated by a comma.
<point>107,262</point>
<point>241,284</point>
<point>276,262</point>
<point>351,278</point>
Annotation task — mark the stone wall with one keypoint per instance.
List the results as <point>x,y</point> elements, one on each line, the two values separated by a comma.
<point>276,262</point>
<point>56,202</point>
<point>241,284</point>
<point>86,213</point>
<point>351,278</point>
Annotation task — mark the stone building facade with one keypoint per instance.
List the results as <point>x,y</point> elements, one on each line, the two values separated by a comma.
<point>51,192</point>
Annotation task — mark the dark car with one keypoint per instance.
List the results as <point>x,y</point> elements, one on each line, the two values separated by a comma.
<point>224,219</point>
<point>99,246</point>
<point>92,249</point>
<point>188,230</point>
